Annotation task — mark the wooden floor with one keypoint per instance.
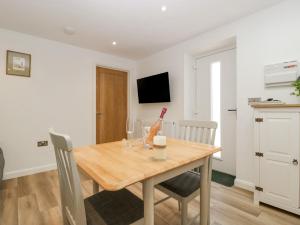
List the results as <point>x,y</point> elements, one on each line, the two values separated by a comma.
<point>34,200</point>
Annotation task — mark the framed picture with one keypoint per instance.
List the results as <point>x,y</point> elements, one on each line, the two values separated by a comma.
<point>18,63</point>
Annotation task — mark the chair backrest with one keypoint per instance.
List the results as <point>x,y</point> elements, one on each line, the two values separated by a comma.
<point>72,202</point>
<point>168,127</point>
<point>198,131</point>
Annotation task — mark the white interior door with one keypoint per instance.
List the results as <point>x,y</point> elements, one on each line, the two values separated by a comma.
<point>216,100</point>
<point>279,143</point>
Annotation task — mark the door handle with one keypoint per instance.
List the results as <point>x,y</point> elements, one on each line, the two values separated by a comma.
<point>295,162</point>
<point>98,113</point>
<point>231,110</point>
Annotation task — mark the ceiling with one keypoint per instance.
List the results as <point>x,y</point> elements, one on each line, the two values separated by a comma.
<point>139,27</point>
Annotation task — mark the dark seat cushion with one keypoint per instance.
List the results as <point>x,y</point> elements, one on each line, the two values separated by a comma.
<point>113,208</point>
<point>184,184</point>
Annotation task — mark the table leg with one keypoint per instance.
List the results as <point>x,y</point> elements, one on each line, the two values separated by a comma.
<point>95,187</point>
<point>148,197</point>
<point>209,186</point>
<point>204,191</point>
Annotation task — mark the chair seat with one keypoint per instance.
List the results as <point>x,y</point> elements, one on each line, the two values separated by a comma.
<point>113,208</point>
<point>183,185</point>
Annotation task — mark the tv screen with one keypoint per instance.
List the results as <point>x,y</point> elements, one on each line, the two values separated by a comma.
<point>154,88</point>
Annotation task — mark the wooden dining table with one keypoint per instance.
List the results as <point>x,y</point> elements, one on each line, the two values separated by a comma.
<point>113,166</point>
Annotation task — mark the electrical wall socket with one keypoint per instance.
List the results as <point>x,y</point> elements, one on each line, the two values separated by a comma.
<point>42,143</point>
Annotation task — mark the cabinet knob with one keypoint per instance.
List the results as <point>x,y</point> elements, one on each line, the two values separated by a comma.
<point>295,162</point>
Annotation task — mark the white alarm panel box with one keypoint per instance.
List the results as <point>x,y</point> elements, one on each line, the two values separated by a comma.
<point>281,74</point>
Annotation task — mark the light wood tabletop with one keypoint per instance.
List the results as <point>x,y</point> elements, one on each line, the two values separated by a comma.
<point>114,167</point>
<point>277,105</point>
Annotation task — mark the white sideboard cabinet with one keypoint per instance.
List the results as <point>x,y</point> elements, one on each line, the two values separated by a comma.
<point>277,154</point>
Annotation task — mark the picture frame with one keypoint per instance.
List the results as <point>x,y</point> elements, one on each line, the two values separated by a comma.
<point>18,63</point>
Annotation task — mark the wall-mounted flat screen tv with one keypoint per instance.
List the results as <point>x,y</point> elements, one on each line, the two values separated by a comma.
<point>154,88</point>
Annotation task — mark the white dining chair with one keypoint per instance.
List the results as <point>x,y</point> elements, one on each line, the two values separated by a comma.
<point>168,127</point>
<point>186,186</point>
<point>104,208</point>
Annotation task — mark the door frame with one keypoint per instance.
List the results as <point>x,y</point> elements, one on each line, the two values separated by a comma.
<point>129,79</point>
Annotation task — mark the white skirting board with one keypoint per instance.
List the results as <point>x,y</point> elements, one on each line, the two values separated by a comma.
<point>244,184</point>
<point>29,171</point>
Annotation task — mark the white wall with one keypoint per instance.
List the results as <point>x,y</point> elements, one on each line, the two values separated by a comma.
<point>166,61</point>
<point>268,36</point>
<point>60,93</point>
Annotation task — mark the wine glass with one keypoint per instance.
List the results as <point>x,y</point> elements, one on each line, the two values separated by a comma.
<point>130,128</point>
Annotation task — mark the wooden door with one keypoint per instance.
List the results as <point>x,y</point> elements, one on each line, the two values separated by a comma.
<point>111,105</point>
<point>279,143</point>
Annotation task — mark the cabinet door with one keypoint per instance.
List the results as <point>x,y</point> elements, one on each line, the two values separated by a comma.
<point>279,142</point>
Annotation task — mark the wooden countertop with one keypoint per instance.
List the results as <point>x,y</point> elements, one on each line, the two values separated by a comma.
<point>114,167</point>
<point>270,105</point>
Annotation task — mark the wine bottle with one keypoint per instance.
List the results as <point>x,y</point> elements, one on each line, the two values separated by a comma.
<point>155,127</point>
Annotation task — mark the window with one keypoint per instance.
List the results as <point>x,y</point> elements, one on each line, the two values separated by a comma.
<point>215,97</point>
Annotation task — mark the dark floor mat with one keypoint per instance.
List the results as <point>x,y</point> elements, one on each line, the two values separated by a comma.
<point>223,178</point>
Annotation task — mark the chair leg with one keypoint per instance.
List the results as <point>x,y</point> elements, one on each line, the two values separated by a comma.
<point>184,212</point>
<point>95,187</point>
<point>65,219</point>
